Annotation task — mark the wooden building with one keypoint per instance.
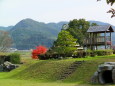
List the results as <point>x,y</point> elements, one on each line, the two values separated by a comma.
<point>99,36</point>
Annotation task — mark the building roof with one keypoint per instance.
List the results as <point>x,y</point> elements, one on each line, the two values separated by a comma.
<point>100,29</point>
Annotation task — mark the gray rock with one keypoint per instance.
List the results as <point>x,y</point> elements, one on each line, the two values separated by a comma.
<point>8,66</point>
<point>95,79</point>
<point>113,75</point>
<point>105,73</point>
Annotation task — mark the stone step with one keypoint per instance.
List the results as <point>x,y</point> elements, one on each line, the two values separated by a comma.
<point>70,69</point>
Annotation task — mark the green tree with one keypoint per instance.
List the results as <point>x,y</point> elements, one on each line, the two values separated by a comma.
<point>94,24</point>
<point>78,29</point>
<point>65,43</point>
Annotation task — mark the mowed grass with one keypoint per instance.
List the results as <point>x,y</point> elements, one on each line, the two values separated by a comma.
<point>14,82</point>
<point>84,73</point>
<point>47,72</point>
<point>42,71</point>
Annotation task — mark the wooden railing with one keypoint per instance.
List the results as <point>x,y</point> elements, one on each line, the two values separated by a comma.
<point>97,40</point>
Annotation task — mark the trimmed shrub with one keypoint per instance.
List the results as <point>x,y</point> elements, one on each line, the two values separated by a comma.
<point>89,53</point>
<point>74,55</point>
<point>113,51</point>
<point>103,52</point>
<point>15,58</point>
<point>79,54</point>
<point>44,57</point>
<point>82,54</point>
<point>109,52</point>
<point>49,56</point>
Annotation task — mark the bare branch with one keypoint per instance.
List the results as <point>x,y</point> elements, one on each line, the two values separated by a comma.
<point>112,11</point>
<point>110,2</point>
<point>5,41</point>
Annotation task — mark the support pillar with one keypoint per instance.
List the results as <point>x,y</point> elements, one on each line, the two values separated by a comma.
<point>105,40</point>
<point>110,41</point>
<point>90,39</point>
<point>96,41</point>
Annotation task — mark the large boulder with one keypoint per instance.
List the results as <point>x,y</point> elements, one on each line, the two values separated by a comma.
<point>105,73</point>
<point>8,66</point>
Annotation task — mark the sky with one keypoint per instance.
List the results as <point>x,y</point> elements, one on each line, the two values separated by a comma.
<point>12,11</point>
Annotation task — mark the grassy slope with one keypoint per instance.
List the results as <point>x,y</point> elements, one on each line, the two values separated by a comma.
<point>48,71</point>
<point>84,73</point>
<point>43,70</point>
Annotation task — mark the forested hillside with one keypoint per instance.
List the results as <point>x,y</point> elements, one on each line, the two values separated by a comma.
<point>27,34</point>
<point>6,28</point>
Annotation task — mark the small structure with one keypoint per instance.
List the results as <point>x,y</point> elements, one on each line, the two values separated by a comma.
<point>105,74</point>
<point>65,27</point>
<point>79,47</point>
<point>98,35</point>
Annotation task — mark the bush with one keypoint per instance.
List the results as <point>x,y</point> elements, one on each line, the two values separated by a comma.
<point>113,51</point>
<point>49,55</point>
<point>79,54</point>
<point>82,54</point>
<point>44,56</point>
<point>103,52</point>
<point>15,58</point>
<point>89,53</point>
<point>38,51</point>
<point>99,52</point>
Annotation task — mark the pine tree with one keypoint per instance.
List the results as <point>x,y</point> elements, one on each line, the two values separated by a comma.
<point>65,43</point>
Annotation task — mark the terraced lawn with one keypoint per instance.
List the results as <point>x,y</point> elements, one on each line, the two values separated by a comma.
<point>45,73</point>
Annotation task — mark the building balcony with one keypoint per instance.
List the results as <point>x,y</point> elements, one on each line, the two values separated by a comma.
<point>100,40</point>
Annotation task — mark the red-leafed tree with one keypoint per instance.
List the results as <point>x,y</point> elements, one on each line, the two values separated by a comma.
<point>38,51</point>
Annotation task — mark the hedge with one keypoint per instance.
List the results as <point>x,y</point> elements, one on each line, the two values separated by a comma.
<point>103,52</point>
<point>77,54</point>
<point>82,54</point>
<point>94,53</point>
<point>15,58</point>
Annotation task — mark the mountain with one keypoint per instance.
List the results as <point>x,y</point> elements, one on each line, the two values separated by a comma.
<point>101,23</point>
<point>98,22</point>
<point>57,26</point>
<point>28,33</point>
<point>6,28</point>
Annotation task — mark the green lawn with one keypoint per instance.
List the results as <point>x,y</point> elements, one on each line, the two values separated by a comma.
<point>45,73</point>
<point>13,82</point>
